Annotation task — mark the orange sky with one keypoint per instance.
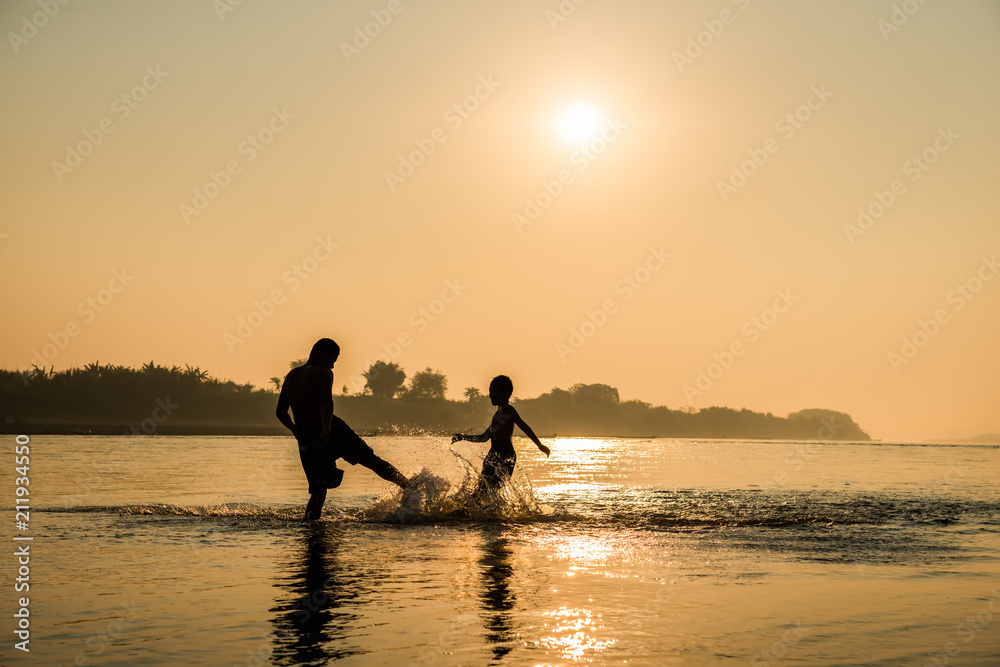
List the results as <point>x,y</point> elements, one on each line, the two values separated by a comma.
<point>171,168</point>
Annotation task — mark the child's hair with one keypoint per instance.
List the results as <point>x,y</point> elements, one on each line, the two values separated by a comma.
<point>503,385</point>
<point>323,347</point>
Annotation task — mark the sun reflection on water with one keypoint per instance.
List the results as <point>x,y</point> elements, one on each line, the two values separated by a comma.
<point>569,632</point>
<point>580,443</point>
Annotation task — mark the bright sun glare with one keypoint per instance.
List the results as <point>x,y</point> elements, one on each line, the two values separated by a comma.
<point>580,123</point>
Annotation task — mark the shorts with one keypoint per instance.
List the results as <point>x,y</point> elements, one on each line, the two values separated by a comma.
<point>344,443</point>
<point>497,470</point>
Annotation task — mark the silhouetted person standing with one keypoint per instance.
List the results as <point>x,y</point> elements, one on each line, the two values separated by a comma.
<point>322,436</point>
<point>498,466</point>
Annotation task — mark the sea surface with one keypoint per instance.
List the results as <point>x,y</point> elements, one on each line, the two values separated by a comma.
<point>190,551</point>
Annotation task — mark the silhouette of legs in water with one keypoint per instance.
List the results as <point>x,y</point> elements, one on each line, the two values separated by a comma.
<point>378,465</point>
<point>315,505</point>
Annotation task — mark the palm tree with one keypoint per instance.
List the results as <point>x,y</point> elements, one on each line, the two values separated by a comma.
<point>472,393</point>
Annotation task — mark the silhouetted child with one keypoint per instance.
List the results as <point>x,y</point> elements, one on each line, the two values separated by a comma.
<point>498,466</point>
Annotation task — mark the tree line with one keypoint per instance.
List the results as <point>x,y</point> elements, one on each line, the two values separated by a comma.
<point>116,399</point>
<point>388,380</point>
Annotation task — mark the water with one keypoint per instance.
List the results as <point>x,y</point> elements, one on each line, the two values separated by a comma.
<point>188,550</point>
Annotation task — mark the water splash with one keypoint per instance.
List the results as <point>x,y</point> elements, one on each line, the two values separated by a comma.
<point>431,498</point>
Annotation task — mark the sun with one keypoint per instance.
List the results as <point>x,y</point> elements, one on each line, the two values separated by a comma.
<point>580,123</point>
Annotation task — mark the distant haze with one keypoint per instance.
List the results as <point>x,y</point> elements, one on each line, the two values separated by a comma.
<point>772,205</point>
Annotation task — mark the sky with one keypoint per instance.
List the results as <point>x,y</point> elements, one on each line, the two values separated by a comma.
<point>766,205</point>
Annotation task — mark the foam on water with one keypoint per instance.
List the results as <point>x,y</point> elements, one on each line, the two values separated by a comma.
<point>223,510</point>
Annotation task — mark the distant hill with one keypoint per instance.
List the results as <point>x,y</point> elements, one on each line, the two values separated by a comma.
<point>156,399</point>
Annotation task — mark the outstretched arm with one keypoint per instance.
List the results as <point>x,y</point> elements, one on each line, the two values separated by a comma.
<point>482,437</point>
<point>282,411</point>
<point>531,434</point>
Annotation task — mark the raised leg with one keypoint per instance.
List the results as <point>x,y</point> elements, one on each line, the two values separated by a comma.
<point>386,471</point>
